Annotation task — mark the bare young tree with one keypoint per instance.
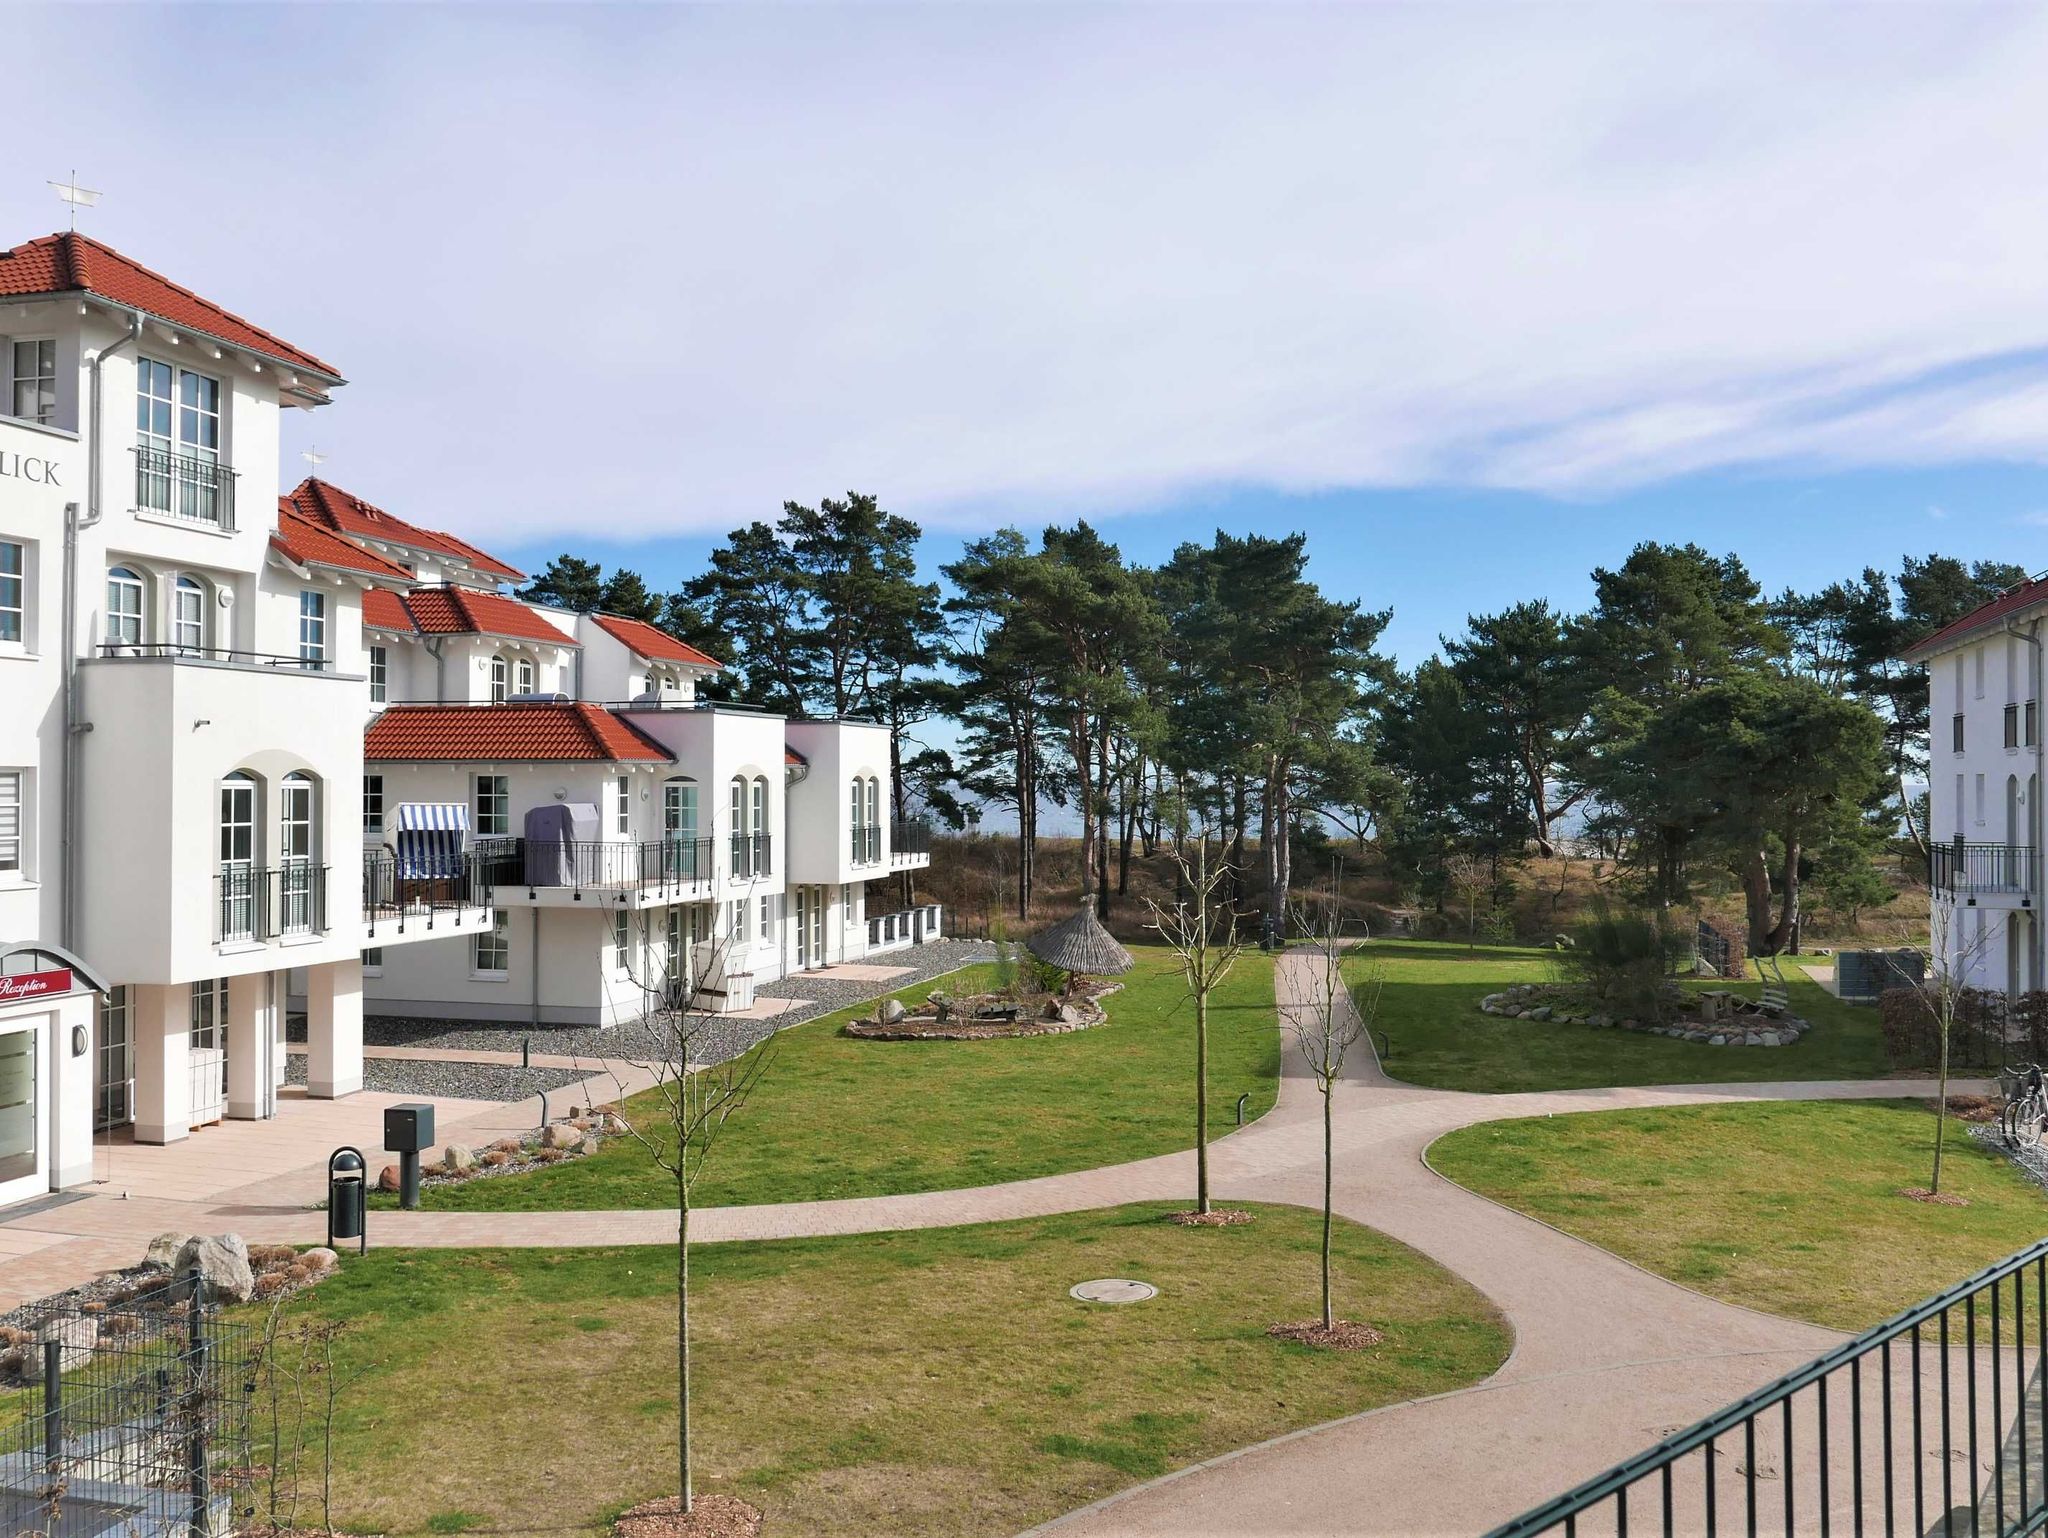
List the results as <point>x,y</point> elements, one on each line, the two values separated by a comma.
<point>1200,928</point>
<point>695,1101</point>
<point>1325,1021</point>
<point>1468,876</point>
<point>1954,961</point>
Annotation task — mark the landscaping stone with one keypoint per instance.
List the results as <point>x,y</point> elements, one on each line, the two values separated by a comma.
<point>387,1178</point>
<point>891,1011</point>
<point>76,1336</point>
<point>1720,1018</point>
<point>223,1262</point>
<point>562,1136</point>
<point>163,1249</point>
<point>318,1261</point>
<point>458,1160</point>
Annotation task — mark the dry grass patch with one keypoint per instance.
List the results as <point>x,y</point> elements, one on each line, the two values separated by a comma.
<point>929,1383</point>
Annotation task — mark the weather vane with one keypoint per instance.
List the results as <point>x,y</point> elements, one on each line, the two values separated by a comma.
<point>76,196</point>
<point>313,457</point>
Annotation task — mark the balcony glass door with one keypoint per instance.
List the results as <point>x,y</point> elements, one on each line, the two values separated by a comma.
<point>114,1070</point>
<point>679,829</point>
<point>295,858</point>
<point>21,1137</point>
<point>237,858</point>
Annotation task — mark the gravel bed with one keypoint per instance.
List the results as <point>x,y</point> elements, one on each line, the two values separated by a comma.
<point>2032,1162</point>
<point>450,1081</point>
<point>719,1037</point>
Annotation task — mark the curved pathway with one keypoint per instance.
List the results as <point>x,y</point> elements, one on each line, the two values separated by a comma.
<point>1606,1357</point>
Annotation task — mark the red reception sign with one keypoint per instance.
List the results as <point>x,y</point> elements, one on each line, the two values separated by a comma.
<point>16,986</point>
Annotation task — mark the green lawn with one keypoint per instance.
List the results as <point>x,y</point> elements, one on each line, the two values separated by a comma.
<point>1791,1208</point>
<point>836,1117</point>
<point>926,1383</point>
<point>1430,1011</point>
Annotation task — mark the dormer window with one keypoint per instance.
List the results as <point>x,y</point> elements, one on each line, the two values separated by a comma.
<point>34,396</point>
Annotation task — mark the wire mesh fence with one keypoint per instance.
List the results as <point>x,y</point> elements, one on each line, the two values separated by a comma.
<point>126,1417</point>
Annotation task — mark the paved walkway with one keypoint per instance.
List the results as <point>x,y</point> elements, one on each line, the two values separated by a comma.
<point>1606,1357</point>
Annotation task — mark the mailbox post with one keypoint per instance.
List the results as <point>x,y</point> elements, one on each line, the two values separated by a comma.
<point>408,1132</point>
<point>346,1180</point>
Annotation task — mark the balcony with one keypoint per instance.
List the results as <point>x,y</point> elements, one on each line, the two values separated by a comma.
<point>252,906</point>
<point>750,856</point>
<point>185,487</point>
<point>663,870</point>
<point>1961,869</point>
<point>910,843</point>
<point>398,901</point>
<point>867,846</point>
<point>224,656</point>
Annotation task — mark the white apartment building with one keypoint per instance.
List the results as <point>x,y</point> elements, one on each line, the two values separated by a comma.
<point>259,753</point>
<point>1984,784</point>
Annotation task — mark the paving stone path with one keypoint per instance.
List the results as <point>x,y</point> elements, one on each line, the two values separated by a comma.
<point>1606,1356</point>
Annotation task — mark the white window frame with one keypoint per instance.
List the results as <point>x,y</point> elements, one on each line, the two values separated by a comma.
<point>40,379</point>
<point>490,954</point>
<point>380,674</point>
<point>13,593</point>
<point>126,626</point>
<point>624,786</point>
<point>14,824</point>
<point>501,679</point>
<point>312,626</point>
<point>524,668</point>
<point>373,805</point>
<point>188,613</point>
<point>486,791</point>
<point>767,926</point>
<point>622,942</point>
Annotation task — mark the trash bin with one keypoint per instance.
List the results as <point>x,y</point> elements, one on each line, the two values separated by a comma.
<point>346,1186</point>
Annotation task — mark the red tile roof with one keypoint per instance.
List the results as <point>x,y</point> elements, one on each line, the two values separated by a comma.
<point>310,545</point>
<point>71,263</point>
<point>645,640</point>
<point>349,515</point>
<point>386,610</point>
<point>465,611</point>
<point>2011,601</point>
<point>579,732</point>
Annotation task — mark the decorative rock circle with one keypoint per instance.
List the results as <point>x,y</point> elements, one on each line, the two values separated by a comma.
<point>1114,1289</point>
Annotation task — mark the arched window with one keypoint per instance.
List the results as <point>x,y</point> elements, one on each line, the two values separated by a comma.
<point>298,825</point>
<point>525,675</point>
<point>500,671</point>
<point>237,846</point>
<point>874,802</point>
<point>188,615</point>
<point>760,807</point>
<point>124,606</point>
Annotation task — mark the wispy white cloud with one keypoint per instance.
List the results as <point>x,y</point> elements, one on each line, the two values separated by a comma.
<point>658,269</point>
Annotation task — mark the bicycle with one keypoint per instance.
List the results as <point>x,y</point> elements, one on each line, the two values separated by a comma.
<point>2024,1116</point>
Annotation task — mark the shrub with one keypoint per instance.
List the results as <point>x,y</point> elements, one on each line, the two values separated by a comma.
<point>1625,961</point>
<point>1987,1029</point>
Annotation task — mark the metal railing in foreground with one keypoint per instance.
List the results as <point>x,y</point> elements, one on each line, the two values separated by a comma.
<point>134,1420</point>
<point>1931,1423</point>
<point>397,893</point>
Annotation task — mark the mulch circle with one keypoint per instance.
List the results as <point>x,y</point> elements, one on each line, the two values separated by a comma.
<point>711,1516</point>
<point>1933,1198</point>
<point>1215,1217</point>
<point>1344,1335</point>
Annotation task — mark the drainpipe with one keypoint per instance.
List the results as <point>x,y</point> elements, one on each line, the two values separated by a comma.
<point>67,908</point>
<point>536,911</point>
<point>2032,636</point>
<point>434,646</point>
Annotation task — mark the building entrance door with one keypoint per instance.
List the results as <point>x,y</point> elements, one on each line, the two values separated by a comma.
<point>209,1051</point>
<point>815,926</point>
<point>803,928</point>
<point>114,1072</point>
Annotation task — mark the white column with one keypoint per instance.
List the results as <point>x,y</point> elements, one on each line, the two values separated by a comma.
<point>252,1032</point>
<point>334,1029</point>
<point>161,1020</point>
<point>71,1092</point>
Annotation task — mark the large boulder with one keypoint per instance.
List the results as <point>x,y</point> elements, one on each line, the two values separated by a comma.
<point>560,1134</point>
<point>458,1160</point>
<point>891,1011</point>
<point>223,1262</point>
<point>387,1178</point>
<point>76,1335</point>
<point>163,1249</point>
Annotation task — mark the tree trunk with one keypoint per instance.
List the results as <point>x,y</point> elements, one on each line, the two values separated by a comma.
<point>1906,811</point>
<point>1329,1161</point>
<point>1756,898</point>
<point>1102,812</point>
<point>1202,1087</point>
<point>683,1335</point>
<point>1280,863</point>
<point>1237,816</point>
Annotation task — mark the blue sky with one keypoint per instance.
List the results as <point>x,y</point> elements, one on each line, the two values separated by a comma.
<point>1478,297</point>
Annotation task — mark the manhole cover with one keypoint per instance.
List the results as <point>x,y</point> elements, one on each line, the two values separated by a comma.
<point>1114,1289</point>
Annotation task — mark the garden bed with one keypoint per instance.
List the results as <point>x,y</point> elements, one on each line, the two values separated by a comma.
<point>1713,1017</point>
<point>988,1016</point>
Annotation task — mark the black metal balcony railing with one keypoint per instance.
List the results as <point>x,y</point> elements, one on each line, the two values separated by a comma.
<point>910,839</point>
<point>1981,868</point>
<point>252,905</point>
<point>1930,1423</point>
<point>226,654</point>
<point>867,846</point>
<point>185,486</point>
<point>670,866</point>
<point>395,895</point>
<point>751,855</point>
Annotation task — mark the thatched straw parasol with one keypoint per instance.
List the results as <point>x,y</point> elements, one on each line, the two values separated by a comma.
<point>1080,946</point>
